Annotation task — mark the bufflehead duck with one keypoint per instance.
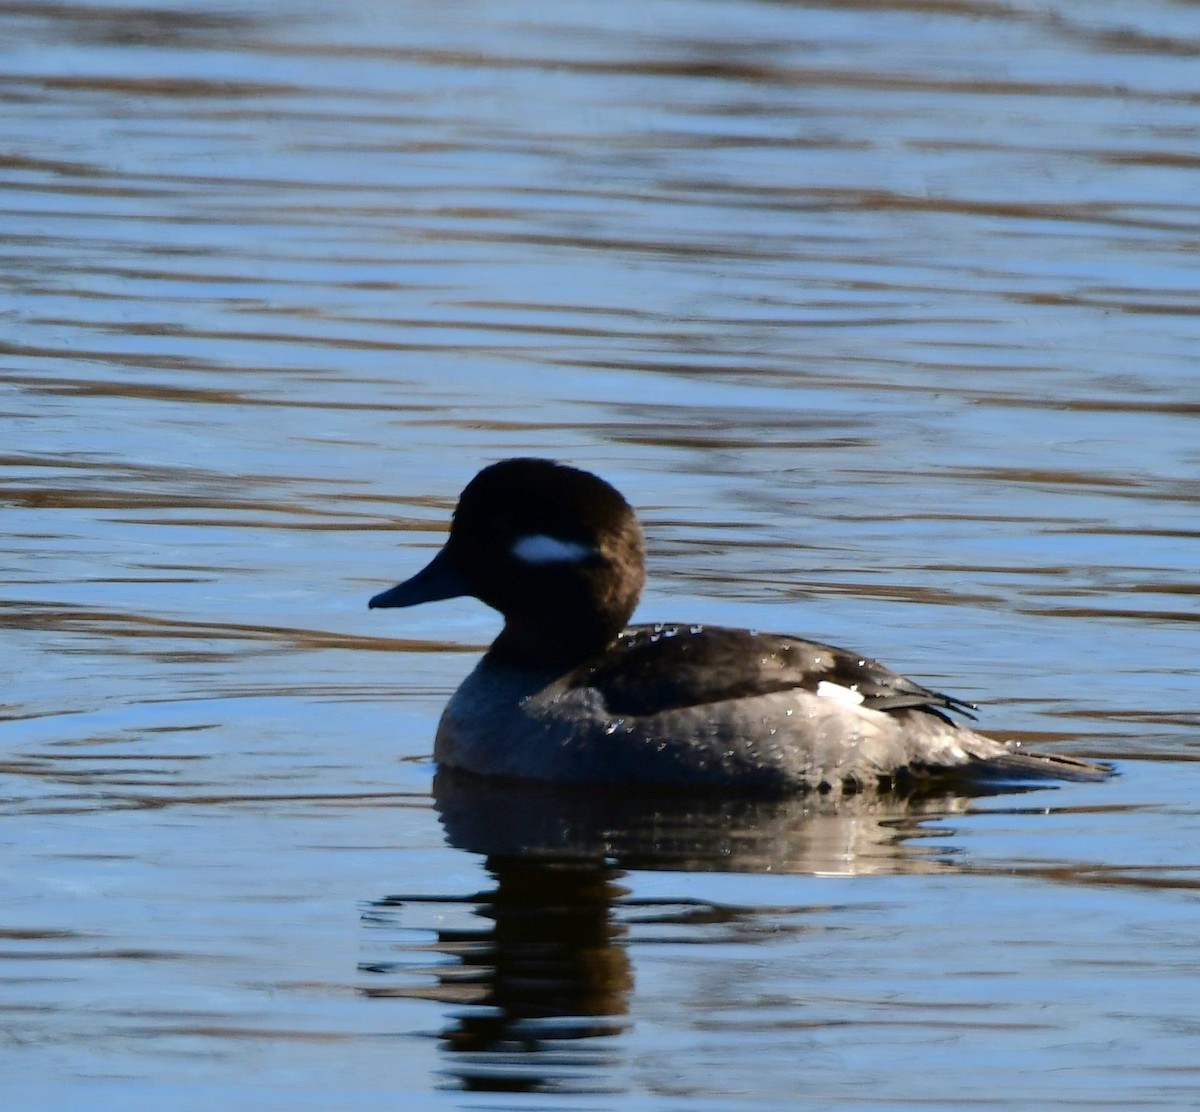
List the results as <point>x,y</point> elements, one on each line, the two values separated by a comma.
<point>568,694</point>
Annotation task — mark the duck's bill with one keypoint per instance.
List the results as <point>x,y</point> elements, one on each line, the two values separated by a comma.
<point>437,580</point>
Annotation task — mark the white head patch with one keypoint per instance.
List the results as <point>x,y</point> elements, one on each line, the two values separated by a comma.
<point>538,548</point>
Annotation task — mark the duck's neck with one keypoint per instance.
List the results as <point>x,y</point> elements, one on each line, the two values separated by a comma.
<point>559,645</point>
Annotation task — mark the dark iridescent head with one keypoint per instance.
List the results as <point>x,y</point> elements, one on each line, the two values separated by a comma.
<point>556,550</point>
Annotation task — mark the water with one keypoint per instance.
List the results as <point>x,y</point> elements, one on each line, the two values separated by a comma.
<point>885,317</point>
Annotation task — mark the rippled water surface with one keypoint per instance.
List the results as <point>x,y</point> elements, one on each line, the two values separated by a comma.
<point>884,315</point>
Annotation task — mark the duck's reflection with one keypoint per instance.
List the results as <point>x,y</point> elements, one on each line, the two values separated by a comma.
<point>539,991</point>
<point>870,832</point>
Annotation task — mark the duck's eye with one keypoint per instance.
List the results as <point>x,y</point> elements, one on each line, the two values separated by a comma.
<point>540,548</point>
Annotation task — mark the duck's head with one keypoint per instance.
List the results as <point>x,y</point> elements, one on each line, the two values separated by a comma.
<point>556,550</point>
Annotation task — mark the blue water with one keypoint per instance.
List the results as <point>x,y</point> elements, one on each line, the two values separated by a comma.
<point>885,319</point>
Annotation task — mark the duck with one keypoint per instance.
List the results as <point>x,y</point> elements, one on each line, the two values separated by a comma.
<point>571,693</point>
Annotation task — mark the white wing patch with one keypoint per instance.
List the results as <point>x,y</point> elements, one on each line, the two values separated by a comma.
<point>842,694</point>
<point>538,548</point>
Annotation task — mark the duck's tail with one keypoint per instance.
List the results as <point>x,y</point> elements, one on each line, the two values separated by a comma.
<point>1021,764</point>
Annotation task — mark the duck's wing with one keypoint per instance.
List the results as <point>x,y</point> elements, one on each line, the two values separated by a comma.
<point>656,668</point>
<point>650,670</point>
